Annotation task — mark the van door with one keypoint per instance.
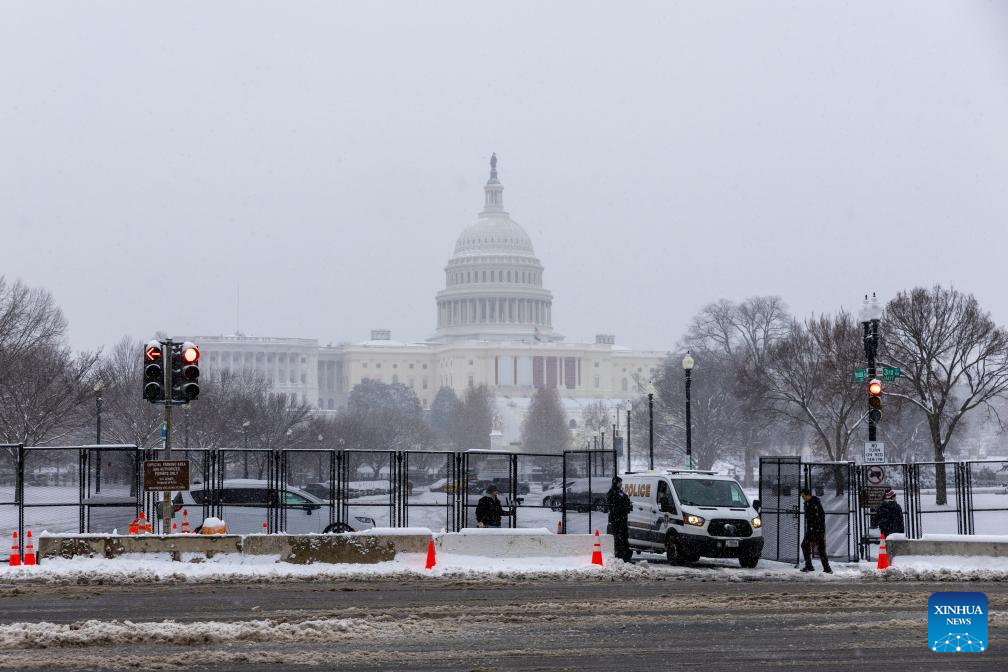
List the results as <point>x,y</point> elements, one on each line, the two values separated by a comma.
<point>643,515</point>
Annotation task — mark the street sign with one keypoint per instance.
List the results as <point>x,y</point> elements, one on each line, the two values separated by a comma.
<point>891,373</point>
<point>860,375</point>
<point>870,496</point>
<point>874,474</point>
<point>166,475</point>
<point>874,452</point>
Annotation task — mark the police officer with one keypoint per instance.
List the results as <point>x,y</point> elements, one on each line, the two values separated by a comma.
<point>815,531</point>
<point>488,509</point>
<point>619,509</point>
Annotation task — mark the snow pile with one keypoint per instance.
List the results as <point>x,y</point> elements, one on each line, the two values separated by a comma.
<point>942,568</point>
<point>97,633</point>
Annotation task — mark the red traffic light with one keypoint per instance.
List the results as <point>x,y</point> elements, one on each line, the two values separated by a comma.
<point>875,387</point>
<point>190,353</point>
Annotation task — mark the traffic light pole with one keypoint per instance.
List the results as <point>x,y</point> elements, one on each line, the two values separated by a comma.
<point>871,347</point>
<point>166,512</point>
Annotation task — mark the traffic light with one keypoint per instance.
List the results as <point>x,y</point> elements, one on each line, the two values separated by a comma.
<point>153,389</point>
<point>190,355</point>
<point>875,400</point>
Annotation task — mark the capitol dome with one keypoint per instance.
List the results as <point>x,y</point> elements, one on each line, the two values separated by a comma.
<point>493,282</point>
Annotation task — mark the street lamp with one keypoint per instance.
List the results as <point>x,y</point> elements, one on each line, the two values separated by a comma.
<point>629,407</point>
<point>245,426</point>
<point>687,365</point>
<point>650,420</point>
<point>98,408</point>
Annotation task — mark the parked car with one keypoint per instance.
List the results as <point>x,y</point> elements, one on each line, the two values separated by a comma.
<point>578,497</point>
<point>247,503</point>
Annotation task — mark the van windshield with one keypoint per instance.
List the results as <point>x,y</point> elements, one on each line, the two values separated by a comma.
<point>709,492</point>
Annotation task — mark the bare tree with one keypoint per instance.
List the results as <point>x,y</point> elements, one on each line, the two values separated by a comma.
<point>743,333</point>
<point>954,360</point>
<point>717,414</point>
<point>805,378</point>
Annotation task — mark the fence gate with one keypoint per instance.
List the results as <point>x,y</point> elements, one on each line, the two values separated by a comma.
<point>835,484</point>
<point>780,480</point>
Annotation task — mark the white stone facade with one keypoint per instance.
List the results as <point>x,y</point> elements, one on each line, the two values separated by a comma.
<point>494,327</point>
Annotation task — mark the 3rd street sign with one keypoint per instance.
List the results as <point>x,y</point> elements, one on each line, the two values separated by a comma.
<point>888,374</point>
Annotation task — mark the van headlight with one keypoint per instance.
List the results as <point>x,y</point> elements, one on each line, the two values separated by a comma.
<point>756,522</point>
<point>690,519</point>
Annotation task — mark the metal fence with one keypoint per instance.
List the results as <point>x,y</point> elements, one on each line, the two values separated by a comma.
<point>936,497</point>
<point>84,489</point>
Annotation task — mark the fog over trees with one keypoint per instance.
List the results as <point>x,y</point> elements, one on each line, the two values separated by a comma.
<point>764,382</point>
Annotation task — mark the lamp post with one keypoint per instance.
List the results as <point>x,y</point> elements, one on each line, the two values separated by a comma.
<point>98,408</point>
<point>650,422</point>
<point>245,426</point>
<point>687,365</point>
<point>628,407</point>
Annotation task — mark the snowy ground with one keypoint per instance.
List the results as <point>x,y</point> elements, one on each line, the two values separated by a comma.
<point>141,569</point>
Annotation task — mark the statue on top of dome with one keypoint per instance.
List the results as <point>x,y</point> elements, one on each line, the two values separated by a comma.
<point>493,165</point>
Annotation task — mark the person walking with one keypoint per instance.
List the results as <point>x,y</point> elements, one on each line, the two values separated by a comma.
<point>619,509</point>
<point>488,509</point>
<point>889,514</point>
<point>815,531</point>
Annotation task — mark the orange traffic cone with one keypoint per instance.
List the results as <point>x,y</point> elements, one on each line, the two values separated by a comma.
<point>174,527</point>
<point>144,525</point>
<point>597,551</point>
<point>185,521</point>
<point>560,526</point>
<point>15,553</point>
<point>29,550</point>
<point>431,560</point>
<point>883,557</point>
<point>134,526</point>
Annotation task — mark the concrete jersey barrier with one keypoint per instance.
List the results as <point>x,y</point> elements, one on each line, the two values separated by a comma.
<point>994,546</point>
<point>520,543</point>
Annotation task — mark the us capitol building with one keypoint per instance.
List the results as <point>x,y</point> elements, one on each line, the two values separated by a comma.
<point>494,327</point>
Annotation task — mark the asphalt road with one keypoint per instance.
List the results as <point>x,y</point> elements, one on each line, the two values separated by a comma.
<point>487,625</point>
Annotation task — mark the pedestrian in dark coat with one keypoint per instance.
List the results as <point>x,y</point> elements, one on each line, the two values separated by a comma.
<point>488,509</point>
<point>815,531</point>
<point>889,515</point>
<point>619,509</point>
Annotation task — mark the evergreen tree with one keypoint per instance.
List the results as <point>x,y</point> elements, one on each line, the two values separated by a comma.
<point>444,412</point>
<point>545,427</point>
<point>474,419</point>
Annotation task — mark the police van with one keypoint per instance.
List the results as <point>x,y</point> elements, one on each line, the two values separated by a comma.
<point>689,514</point>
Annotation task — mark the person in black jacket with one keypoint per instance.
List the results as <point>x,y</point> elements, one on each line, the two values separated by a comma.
<point>619,509</point>
<point>889,515</point>
<point>488,510</point>
<point>815,531</point>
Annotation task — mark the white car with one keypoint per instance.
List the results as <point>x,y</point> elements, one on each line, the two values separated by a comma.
<point>688,514</point>
<point>246,504</point>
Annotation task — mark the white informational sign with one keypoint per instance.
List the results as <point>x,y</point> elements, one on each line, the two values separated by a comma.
<point>874,452</point>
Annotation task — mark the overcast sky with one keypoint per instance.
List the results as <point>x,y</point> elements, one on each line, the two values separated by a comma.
<point>325,156</point>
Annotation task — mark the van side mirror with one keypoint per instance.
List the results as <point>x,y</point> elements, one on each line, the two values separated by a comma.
<point>666,506</point>
<point>756,505</point>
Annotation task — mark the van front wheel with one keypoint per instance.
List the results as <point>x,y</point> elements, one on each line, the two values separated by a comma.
<point>673,553</point>
<point>749,561</point>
